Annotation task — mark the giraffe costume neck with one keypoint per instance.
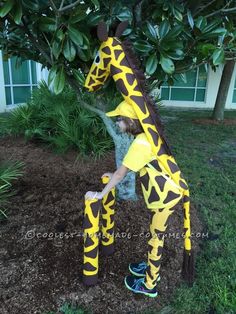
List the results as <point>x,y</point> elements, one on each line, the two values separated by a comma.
<point>113,60</point>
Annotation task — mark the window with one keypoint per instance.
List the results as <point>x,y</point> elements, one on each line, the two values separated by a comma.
<point>234,92</point>
<point>20,79</point>
<point>194,89</point>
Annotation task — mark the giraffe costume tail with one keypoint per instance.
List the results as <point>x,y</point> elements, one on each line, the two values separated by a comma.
<point>188,254</point>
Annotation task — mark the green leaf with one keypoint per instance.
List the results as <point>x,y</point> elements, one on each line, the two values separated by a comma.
<point>17,12</point>
<point>167,65</point>
<point>47,24</point>
<point>60,35</point>
<point>59,81</point>
<point>75,35</point>
<point>6,8</point>
<point>84,55</point>
<point>174,32</point>
<point>178,15</point>
<point>79,76</point>
<point>218,56</point>
<point>151,64</point>
<point>201,22</point>
<point>151,32</point>
<point>96,3</point>
<point>212,25</point>
<point>79,16</point>
<point>31,4</point>
<point>69,50</point>
<point>125,15</point>
<point>52,74</point>
<point>164,28</point>
<point>206,49</point>
<point>142,46</point>
<point>56,48</point>
<point>93,19</point>
<point>190,18</point>
<point>177,54</point>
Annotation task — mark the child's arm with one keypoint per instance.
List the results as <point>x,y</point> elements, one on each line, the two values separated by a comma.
<point>117,176</point>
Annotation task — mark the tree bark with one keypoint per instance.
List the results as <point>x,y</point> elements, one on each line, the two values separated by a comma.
<point>126,189</point>
<point>218,112</point>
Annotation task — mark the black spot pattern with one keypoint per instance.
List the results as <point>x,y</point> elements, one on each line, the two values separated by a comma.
<point>154,136</point>
<point>139,100</point>
<point>145,181</point>
<point>101,72</point>
<point>170,197</point>
<point>109,198</point>
<point>162,151</point>
<point>89,267</point>
<point>87,224</point>
<point>154,197</point>
<point>92,254</point>
<point>114,70</point>
<point>161,182</point>
<point>122,88</point>
<point>130,78</point>
<point>183,185</point>
<point>88,242</point>
<point>117,53</point>
<point>173,167</point>
<point>94,72</point>
<point>107,50</point>
<point>95,208</point>
<point>106,61</point>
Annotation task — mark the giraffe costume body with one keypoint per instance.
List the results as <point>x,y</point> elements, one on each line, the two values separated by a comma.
<point>160,196</point>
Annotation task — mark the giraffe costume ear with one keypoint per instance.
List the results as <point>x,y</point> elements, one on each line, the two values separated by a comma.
<point>102,31</point>
<point>121,28</point>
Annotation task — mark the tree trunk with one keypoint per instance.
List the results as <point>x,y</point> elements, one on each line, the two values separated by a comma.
<point>218,112</point>
<point>126,189</point>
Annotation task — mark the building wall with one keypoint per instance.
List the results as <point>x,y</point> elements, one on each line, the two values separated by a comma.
<point>198,90</point>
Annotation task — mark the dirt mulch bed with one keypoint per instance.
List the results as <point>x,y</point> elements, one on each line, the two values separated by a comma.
<point>39,273</point>
<point>215,122</point>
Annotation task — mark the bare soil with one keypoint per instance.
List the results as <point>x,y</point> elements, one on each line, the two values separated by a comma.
<point>41,267</point>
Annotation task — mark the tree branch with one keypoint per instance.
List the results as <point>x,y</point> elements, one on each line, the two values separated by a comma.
<point>107,121</point>
<point>70,6</point>
<point>203,7</point>
<point>61,5</point>
<point>53,6</point>
<point>33,40</point>
<point>232,10</point>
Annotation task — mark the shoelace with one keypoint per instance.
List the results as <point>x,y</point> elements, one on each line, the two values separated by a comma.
<point>137,283</point>
<point>141,266</point>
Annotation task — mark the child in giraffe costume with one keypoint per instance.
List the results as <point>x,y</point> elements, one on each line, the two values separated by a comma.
<point>162,183</point>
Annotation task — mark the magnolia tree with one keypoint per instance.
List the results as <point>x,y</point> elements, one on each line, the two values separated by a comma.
<point>169,37</point>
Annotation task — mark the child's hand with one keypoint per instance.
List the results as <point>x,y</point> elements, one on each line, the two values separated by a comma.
<point>93,195</point>
<point>107,174</point>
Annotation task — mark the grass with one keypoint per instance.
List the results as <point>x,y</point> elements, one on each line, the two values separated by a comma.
<point>207,156</point>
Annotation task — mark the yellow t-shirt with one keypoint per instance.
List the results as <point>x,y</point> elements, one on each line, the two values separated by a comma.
<point>139,154</point>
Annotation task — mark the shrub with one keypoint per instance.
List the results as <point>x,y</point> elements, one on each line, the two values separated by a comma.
<point>9,171</point>
<point>60,121</point>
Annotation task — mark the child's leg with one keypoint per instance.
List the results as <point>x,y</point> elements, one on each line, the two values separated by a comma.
<point>158,226</point>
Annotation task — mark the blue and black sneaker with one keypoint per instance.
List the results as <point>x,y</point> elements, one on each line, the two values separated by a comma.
<point>137,285</point>
<point>139,269</point>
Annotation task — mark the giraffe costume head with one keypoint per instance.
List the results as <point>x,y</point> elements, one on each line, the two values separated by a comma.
<point>115,58</point>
